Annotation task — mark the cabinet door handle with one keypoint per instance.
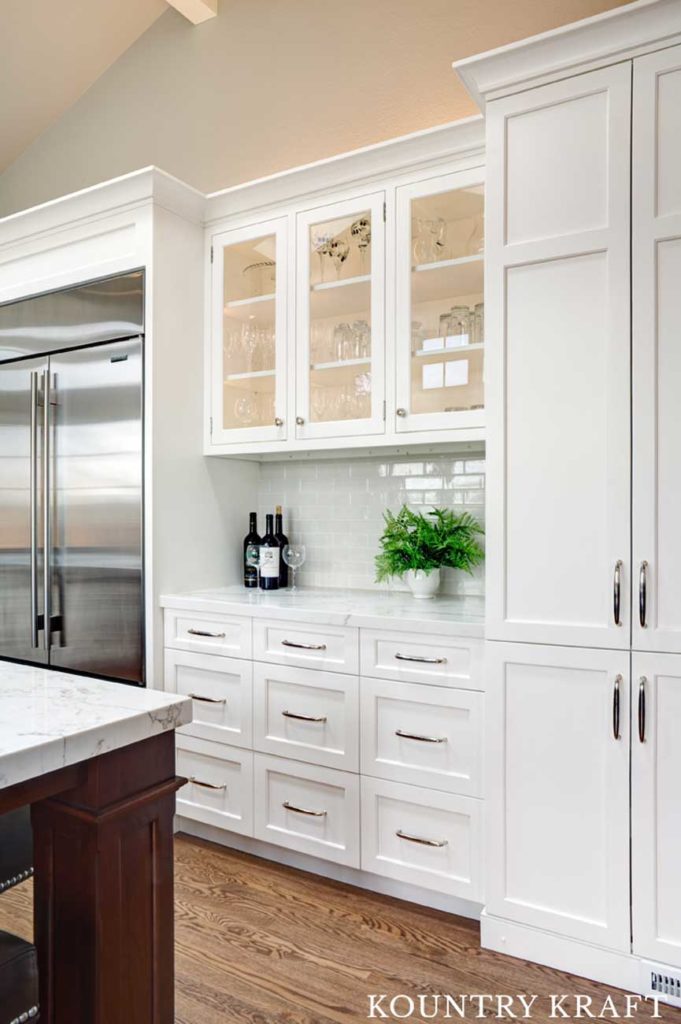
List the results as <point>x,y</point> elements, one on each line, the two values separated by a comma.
<point>303,647</point>
<point>300,420</point>
<point>616,707</point>
<point>207,700</point>
<point>422,660</point>
<point>421,739</point>
<point>206,785</point>
<point>278,422</point>
<point>617,592</point>
<point>401,412</point>
<point>642,593</point>
<point>303,810</point>
<point>304,718</point>
<point>203,632</point>
<point>420,839</point>
<point>642,709</point>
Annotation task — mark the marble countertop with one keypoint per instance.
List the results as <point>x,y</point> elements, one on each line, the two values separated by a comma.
<point>49,720</point>
<point>444,615</point>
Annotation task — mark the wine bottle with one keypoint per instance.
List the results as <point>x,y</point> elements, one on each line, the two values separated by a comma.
<point>252,537</point>
<point>270,556</point>
<point>282,541</point>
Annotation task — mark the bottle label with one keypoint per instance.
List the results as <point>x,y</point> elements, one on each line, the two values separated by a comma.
<point>269,563</point>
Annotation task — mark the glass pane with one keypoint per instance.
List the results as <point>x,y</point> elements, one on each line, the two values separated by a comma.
<point>248,333</point>
<point>448,315</point>
<point>340,319</point>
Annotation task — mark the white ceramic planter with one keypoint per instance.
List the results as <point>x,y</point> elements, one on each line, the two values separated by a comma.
<point>422,584</point>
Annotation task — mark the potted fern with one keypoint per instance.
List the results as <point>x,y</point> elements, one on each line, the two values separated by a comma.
<point>415,547</point>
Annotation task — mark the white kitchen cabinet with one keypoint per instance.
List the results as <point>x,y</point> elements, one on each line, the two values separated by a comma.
<point>222,695</point>
<point>219,787</point>
<point>558,370</point>
<point>439,328</point>
<point>656,806</point>
<point>558,790</point>
<point>657,352</point>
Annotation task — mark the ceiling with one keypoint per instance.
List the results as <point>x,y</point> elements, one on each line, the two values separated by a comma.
<point>51,51</point>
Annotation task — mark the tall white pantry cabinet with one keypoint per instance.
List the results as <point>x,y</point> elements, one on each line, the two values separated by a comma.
<point>583,663</point>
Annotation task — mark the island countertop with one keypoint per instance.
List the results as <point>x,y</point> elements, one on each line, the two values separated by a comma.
<point>50,719</point>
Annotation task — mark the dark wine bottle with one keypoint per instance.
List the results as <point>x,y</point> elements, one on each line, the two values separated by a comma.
<point>252,537</point>
<point>282,541</point>
<point>270,556</point>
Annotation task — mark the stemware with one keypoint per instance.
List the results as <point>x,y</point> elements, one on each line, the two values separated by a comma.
<point>253,559</point>
<point>361,232</point>
<point>322,240</point>
<point>339,252</point>
<point>294,556</point>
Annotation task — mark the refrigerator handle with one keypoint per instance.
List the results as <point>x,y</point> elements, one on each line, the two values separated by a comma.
<point>47,518</point>
<point>34,508</point>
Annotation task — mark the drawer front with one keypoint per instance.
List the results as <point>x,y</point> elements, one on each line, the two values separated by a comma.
<point>422,837</point>
<point>443,661</point>
<point>221,689</point>
<point>221,790</point>
<point>309,809</point>
<point>423,735</point>
<point>212,633</point>
<point>332,648</point>
<point>307,715</point>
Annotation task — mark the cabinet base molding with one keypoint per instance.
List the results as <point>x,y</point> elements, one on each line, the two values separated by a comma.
<point>337,872</point>
<point>581,958</point>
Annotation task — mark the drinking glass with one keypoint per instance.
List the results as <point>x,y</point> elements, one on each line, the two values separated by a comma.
<point>253,559</point>
<point>339,252</point>
<point>321,244</point>
<point>361,232</point>
<point>294,556</point>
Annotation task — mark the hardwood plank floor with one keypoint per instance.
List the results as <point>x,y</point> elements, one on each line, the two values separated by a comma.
<point>258,943</point>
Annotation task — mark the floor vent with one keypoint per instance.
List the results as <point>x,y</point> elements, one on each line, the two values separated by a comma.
<point>663,982</point>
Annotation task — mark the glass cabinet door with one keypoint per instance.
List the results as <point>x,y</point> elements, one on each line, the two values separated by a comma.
<point>340,319</point>
<point>249,334</point>
<point>440,321</point>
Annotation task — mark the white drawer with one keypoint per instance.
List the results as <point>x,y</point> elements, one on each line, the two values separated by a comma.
<point>422,837</point>
<point>213,633</point>
<point>221,792</point>
<point>222,693</point>
<point>423,735</point>
<point>418,658</point>
<point>333,648</point>
<point>306,714</point>
<point>306,808</point>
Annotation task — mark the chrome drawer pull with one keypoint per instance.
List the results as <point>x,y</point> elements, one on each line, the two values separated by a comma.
<point>304,718</point>
<point>208,700</point>
<point>642,709</point>
<point>642,593</point>
<point>206,785</point>
<point>616,593</point>
<point>304,647</point>
<point>303,810</point>
<point>616,708</point>
<point>422,739</point>
<point>419,658</point>
<point>202,632</point>
<point>419,839</point>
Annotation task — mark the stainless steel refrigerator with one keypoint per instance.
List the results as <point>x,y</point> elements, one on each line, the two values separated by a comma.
<point>71,479</point>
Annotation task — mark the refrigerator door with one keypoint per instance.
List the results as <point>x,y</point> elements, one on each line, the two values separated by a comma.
<point>97,611</point>
<point>21,523</point>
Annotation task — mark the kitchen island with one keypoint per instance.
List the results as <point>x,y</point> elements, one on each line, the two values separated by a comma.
<point>96,761</point>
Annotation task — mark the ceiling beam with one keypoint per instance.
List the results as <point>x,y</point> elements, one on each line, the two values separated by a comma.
<point>196,11</point>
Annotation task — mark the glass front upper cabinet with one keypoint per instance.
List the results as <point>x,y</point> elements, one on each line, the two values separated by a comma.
<point>249,334</point>
<point>440,320</point>
<point>340,319</point>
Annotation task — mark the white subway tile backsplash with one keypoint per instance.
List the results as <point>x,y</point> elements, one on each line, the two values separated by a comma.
<point>336,509</point>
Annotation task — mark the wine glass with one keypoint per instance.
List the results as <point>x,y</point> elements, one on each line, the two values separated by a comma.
<point>339,252</point>
<point>253,559</point>
<point>294,556</point>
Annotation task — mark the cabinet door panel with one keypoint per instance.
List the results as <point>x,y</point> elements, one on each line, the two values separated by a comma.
<point>558,362</point>
<point>656,807</point>
<point>558,790</point>
<point>657,351</point>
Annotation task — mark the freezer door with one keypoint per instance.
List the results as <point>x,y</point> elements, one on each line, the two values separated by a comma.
<point>97,612</point>
<point>21,524</point>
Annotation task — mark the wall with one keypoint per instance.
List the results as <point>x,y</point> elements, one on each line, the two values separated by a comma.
<point>271,84</point>
<point>335,507</point>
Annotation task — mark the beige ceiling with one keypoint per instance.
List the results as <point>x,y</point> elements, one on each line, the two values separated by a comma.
<point>51,51</point>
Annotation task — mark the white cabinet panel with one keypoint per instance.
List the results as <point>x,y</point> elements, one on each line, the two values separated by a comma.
<point>422,837</point>
<point>221,689</point>
<point>657,352</point>
<point>205,632</point>
<point>306,808</point>
<point>307,715</point>
<point>558,380</point>
<point>220,787</point>
<point>420,658</point>
<point>656,806</point>
<point>558,790</point>
<point>422,735</point>
<point>333,648</point>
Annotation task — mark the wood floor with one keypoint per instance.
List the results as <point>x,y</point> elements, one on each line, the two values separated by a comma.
<point>262,944</point>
